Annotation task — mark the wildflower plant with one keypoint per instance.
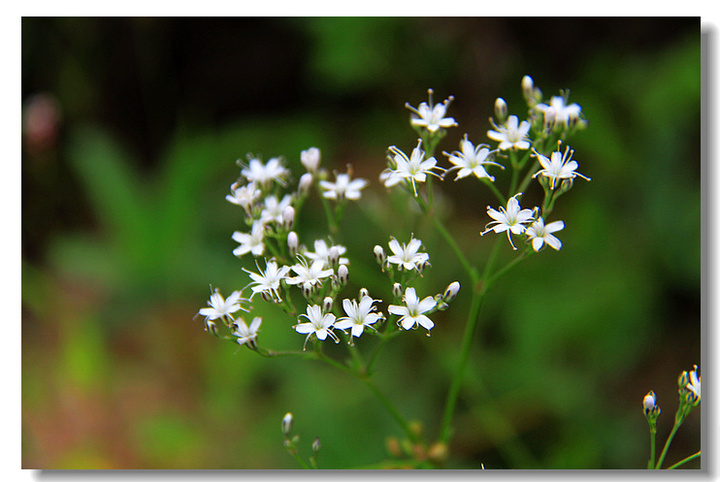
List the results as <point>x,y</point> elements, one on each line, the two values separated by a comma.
<point>308,278</point>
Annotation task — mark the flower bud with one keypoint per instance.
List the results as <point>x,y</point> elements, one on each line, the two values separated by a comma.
<point>286,425</point>
<point>211,328</point>
<point>549,118</point>
<point>527,88</point>
<point>397,290</point>
<point>288,216</point>
<point>451,291</point>
<point>649,402</point>
<point>293,243</point>
<point>305,182</point>
<point>316,445</point>
<point>363,293</point>
<point>501,110</point>
<point>379,253</point>
<point>327,304</point>
<point>334,257</point>
<point>310,158</point>
<point>343,274</point>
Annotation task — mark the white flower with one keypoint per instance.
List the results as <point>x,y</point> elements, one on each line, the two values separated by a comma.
<point>412,314</point>
<point>243,196</point>
<point>220,307</point>
<point>273,211</point>
<point>343,187</point>
<point>268,281</point>
<point>563,114</point>
<point>359,315</point>
<point>323,253</point>
<point>264,174</point>
<point>250,243</point>
<point>318,324</point>
<point>244,333</point>
<point>310,158</point>
<point>511,219</point>
<point>471,160</point>
<point>308,276</point>
<point>649,402</point>
<point>540,234</point>
<point>694,385</point>
<point>415,169</point>
<point>430,116</point>
<point>558,166</point>
<point>511,135</point>
<point>407,256</point>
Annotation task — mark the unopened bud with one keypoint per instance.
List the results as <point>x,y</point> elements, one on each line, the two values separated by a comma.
<point>363,293</point>
<point>649,402</point>
<point>343,274</point>
<point>287,422</point>
<point>334,257</point>
<point>549,118</point>
<point>451,291</point>
<point>305,182</point>
<point>211,328</point>
<point>310,158</point>
<point>379,253</point>
<point>327,304</point>
<point>397,290</point>
<point>527,87</point>
<point>293,243</point>
<point>316,445</point>
<point>501,110</point>
<point>288,216</point>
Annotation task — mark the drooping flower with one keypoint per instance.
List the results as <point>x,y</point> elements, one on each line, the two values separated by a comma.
<point>343,187</point>
<point>252,242</point>
<point>471,160</point>
<point>407,255</point>
<point>540,233</point>
<point>558,166</point>
<point>432,117</point>
<point>511,219</point>
<point>268,281</point>
<point>415,169</point>
<point>319,324</point>
<point>219,307</point>
<point>412,314</point>
<point>359,315</point>
<point>244,333</point>
<point>511,135</point>
<point>264,174</point>
<point>308,276</point>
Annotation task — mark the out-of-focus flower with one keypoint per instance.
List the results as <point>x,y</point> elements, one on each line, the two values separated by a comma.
<point>343,187</point>
<point>511,135</point>
<point>432,117</point>
<point>246,335</point>
<point>219,307</point>
<point>264,174</point>
<point>252,242</point>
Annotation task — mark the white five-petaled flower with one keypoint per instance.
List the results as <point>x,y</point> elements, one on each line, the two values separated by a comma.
<point>308,276</point>
<point>268,281</point>
<point>273,210</point>
<point>432,117</point>
<point>252,242</point>
<point>558,166</point>
<point>694,384</point>
<point>324,252</point>
<point>407,256</point>
<point>264,174</point>
<point>415,169</point>
<point>471,160</point>
<point>412,314</point>
<point>563,114</point>
<point>511,135</point>
<point>359,315</point>
<point>244,333</point>
<point>511,219</point>
<point>220,307</point>
<point>540,233</point>
<point>343,187</point>
<point>243,196</point>
<point>319,324</point>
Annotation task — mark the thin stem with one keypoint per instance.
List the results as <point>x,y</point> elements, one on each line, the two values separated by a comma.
<point>686,459</point>
<point>653,431</point>
<point>667,444</point>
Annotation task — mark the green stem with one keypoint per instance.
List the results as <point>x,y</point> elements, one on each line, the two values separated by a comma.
<point>653,431</point>
<point>686,459</point>
<point>667,444</point>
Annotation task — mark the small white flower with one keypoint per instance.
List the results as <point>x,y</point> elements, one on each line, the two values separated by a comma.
<point>244,333</point>
<point>511,135</point>
<point>359,315</point>
<point>471,160</point>
<point>250,243</point>
<point>323,253</point>
<point>220,307</point>
<point>432,117</point>
<point>308,276</point>
<point>243,196</point>
<point>318,324</point>
<point>563,114</point>
<point>412,314</point>
<point>540,234</point>
<point>343,187</point>
<point>415,169</point>
<point>511,219</point>
<point>268,281</point>
<point>407,255</point>
<point>694,385</point>
<point>310,158</point>
<point>558,166</point>
<point>264,174</point>
<point>273,210</point>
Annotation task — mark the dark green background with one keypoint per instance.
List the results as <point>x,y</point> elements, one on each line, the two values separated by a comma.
<point>124,226</point>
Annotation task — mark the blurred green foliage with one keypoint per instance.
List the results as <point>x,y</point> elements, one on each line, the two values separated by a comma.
<point>125,226</point>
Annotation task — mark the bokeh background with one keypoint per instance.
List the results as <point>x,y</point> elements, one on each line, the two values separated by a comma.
<point>131,127</point>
